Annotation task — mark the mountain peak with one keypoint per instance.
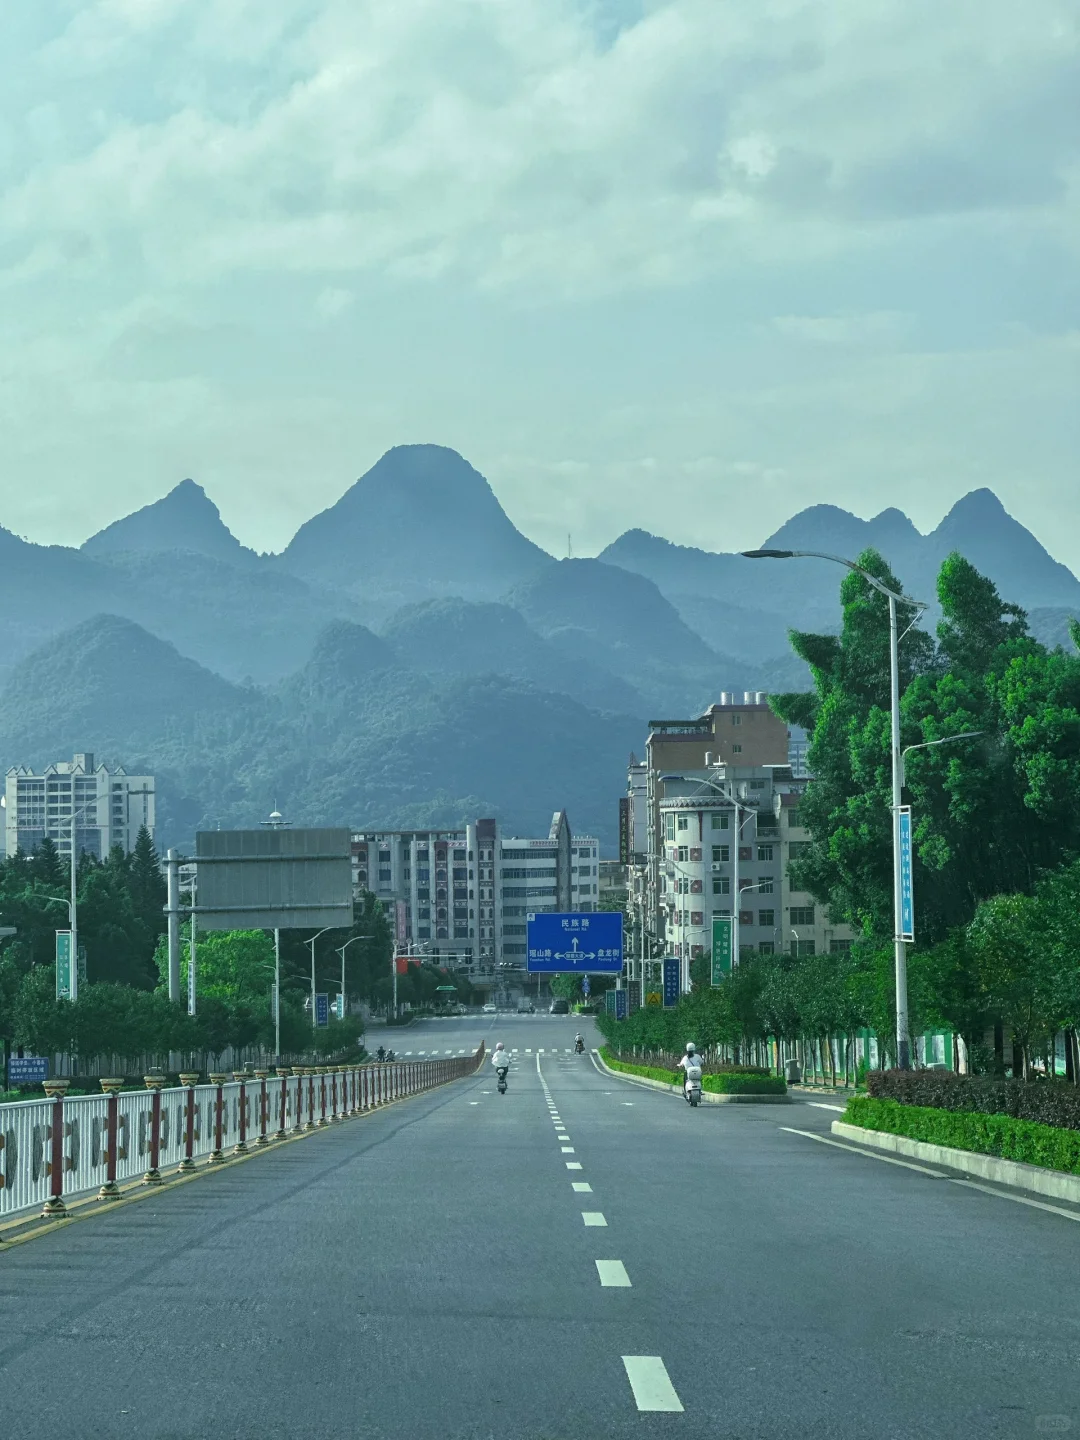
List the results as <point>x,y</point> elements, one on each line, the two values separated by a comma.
<point>422,520</point>
<point>977,507</point>
<point>184,519</point>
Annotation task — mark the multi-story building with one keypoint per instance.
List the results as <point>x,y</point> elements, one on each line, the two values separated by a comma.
<point>76,799</point>
<point>741,731</point>
<point>728,835</point>
<point>461,897</point>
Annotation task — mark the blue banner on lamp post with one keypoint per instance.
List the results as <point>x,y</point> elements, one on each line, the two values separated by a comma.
<point>672,980</point>
<point>907,894</point>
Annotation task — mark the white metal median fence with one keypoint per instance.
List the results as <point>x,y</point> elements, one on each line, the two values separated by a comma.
<point>67,1147</point>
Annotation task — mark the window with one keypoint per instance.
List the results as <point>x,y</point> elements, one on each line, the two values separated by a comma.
<point>721,854</point>
<point>460,872</point>
<point>726,913</point>
<point>766,919</point>
<point>757,784</point>
<point>766,947</point>
<point>802,948</point>
<point>683,853</point>
<point>384,877</point>
<point>746,917</point>
<point>736,749</point>
<point>765,885</point>
<point>796,848</point>
<point>764,852</point>
<point>514,929</point>
<point>736,719</point>
<point>669,827</point>
<point>802,914</point>
<point>721,885</point>
<point>745,852</point>
<point>719,822</point>
<point>513,874</point>
<point>794,823</point>
<point>684,822</point>
<point>423,893</point>
<point>384,855</point>
<point>839,947</point>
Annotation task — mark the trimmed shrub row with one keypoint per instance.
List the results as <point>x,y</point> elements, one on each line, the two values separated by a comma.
<point>726,1082</point>
<point>1050,1146</point>
<point>1044,1102</point>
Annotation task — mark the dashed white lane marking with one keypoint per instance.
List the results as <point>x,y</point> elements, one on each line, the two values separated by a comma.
<point>650,1383</point>
<point>593,1217</point>
<point>574,1165</point>
<point>567,1149</point>
<point>854,1149</point>
<point>528,1048</point>
<point>445,1052</point>
<point>474,1102</point>
<point>581,1187</point>
<point>629,1103</point>
<point>820,1105</point>
<point>419,1052</point>
<point>613,1274</point>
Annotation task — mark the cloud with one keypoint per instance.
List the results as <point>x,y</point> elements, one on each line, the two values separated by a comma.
<point>523,145</point>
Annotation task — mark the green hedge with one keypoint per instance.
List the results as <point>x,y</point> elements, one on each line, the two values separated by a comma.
<point>722,1084</point>
<point>1001,1135</point>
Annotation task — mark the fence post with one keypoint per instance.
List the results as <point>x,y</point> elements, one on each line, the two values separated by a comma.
<point>353,1075</point>
<point>54,1207</point>
<point>335,1071</point>
<point>111,1087</point>
<point>299,1072</point>
<point>240,1148</point>
<point>187,1164</point>
<point>216,1156</point>
<point>283,1071</point>
<point>154,1083</point>
<point>322,1120</point>
<point>309,1071</point>
<point>261,1075</point>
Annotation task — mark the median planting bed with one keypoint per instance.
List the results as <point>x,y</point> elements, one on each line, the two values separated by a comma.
<point>728,1080</point>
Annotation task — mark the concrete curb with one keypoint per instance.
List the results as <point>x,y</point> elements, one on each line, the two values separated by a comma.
<point>1054,1184</point>
<point>708,1096</point>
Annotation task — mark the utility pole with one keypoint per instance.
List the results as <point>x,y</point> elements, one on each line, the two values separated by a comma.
<point>172,910</point>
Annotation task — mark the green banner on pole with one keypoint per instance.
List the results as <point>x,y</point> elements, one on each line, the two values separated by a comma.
<point>721,948</point>
<point>63,964</point>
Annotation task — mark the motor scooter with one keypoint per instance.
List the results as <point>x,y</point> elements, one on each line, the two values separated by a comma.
<point>579,1046</point>
<point>692,1085</point>
<point>502,1080</point>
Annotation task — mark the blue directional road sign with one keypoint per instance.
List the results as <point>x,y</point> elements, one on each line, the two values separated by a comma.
<point>672,969</point>
<point>585,986</point>
<point>620,1004</point>
<point>907,895</point>
<point>322,1009</point>
<point>576,944</point>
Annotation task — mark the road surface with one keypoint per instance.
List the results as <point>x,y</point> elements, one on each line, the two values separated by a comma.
<point>580,1258</point>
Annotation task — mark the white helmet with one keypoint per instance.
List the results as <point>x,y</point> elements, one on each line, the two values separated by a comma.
<point>690,1047</point>
<point>499,1046</point>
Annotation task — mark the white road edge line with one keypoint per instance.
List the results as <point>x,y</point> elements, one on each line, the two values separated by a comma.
<point>613,1274</point>
<point>820,1105</point>
<point>870,1154</point>
<point>1019,1199</point>
<point>650,1383</point>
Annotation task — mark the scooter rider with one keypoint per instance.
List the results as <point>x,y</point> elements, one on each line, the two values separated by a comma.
<point>579,1043</point>
<point>690,1061</point>
<point>500,1058</point>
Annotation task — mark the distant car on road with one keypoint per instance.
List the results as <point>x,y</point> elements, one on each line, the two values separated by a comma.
<point>559,1007</point>
<point>526,1007</point>
<point>490,1009</point>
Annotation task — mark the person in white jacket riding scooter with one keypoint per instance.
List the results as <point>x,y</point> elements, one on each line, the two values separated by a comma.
<point>500,1058</point>
<point>690,1065</point>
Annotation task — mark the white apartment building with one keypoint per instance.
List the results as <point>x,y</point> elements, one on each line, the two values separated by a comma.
<point>102,807</point>
<point>728,834</point>
<point>461,897</point>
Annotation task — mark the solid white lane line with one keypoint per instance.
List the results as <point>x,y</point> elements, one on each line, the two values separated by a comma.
<point>613,1274</point>
<point>593,1217</point>
<point>567,1149</point>
<point>870,1154</point>
<point>649,1381</point>
<point>574,1165</point>
<point>581,1187</point>
<point>1020,1199</point>
<point>820,1105</point>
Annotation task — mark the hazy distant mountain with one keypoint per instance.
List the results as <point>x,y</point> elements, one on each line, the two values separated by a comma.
<point>102,686</point>
<point>184,519</point>
<point>1051,626</point>
<point>421,522</point>
<point>461,637</point>
<point>982,529</point>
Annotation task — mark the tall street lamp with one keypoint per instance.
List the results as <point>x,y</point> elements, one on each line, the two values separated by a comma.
<point>311,942</point>
<point>903,1044</point>
<point>341,952</point>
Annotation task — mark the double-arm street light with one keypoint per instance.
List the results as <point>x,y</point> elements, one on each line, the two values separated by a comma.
<point>903,1044</point>
<point>341,952</point>
<point>311,942</point>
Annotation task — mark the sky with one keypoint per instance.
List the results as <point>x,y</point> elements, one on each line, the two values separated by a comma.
<point>689,265</point>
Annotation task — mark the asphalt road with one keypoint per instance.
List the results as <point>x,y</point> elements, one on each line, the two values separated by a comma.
<point>436,1270</point>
